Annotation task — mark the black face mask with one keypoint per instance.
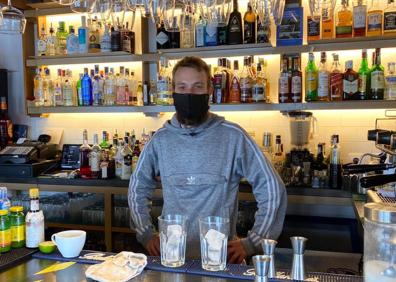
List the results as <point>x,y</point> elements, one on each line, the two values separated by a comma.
<point>191,109</point>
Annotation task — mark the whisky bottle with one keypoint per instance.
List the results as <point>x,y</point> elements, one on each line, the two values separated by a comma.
<point>390,82</point>
<point>377,78</point>
<point>235,88</point>
<point>234,31</point>
<point>390,18</point>
<point>249,26</point>
<point>284,83</point>
<point>323,79</point>
<point>162,37</point>
<point>350,82</point>
<point>259,94</point>
<point>313,26</point>
<point>363,76</point>
<point>311,80</point>
<point>296,82</point>
<point>374,19</point>
<point>359,18</point>
<point>336,80</point>
<point>344,20</point>
<point>327,20</point>
<point>246,82</point>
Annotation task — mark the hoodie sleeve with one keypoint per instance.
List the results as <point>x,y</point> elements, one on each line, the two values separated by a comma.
<point>141,187</point>
<point>269,192</point>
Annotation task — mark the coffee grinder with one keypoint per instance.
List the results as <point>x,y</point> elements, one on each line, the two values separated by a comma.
<point>299,159</point>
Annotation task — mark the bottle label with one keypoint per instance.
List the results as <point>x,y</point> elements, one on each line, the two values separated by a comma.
<point>200,36</point>
<point>284,83</point>
<point>311,82</point>
<point>211,33</point>
<point>313,27</point>
<point>296,86</point>
<point>104,167</point>
<point>41,47</point>
<point>162,38</point>
<point>258,93</point>
<point>390,21</point>
<point>235,25</point>
<point>18,233</point>
<point>350,87</point>
<point>5,238</point>
<point>82,36</point>
<point>323,88</point>
<point>362,83</point>
<point>34,205</point>
<point>34,233</point>
<point>263,33</point>
<point>336,85</point>
<point>359,16</point>
<point>222,35</point>
<point>246,89</point>
<point>235,91</point>
<point>374,21</point>
<point>249,32</point>
<point>377,80</point>
<point>342,30</point>
<point>95,161</point>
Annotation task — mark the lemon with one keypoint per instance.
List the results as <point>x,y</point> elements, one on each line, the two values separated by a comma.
<point>47,247</point>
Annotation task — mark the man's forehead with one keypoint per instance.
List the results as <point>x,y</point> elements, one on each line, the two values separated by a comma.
<point>188,72</point>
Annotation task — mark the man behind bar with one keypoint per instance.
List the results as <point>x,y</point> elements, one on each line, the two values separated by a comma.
<point>201,159</point>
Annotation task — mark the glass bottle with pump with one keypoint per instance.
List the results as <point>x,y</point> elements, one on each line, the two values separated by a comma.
<point>34,221</point>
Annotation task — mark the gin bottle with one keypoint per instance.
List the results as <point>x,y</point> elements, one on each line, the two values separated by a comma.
<point>58,88</point>
<point>48,88</point>
<point>105,41</point>
<point>390,79</point>
<point>72,42</point>
<point>42,43</point>
<point>61,37</point>
<point>109,88</point>
<point>164,93</point>
<point>68,89</point>
<point>200,32</point>
<point>162,37</point>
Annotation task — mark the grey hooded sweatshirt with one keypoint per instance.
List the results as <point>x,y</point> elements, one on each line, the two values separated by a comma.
<point>200,170</point>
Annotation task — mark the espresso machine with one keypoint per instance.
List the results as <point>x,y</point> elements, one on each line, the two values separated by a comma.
<point>299,159</point>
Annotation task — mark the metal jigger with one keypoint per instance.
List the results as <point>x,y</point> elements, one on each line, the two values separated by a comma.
<point>268,246</point>
<point>261,267</point>
<point>298,268</point>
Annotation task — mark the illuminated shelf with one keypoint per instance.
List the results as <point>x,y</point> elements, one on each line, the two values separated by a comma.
<point>344,105</point>
<point>90,58</point>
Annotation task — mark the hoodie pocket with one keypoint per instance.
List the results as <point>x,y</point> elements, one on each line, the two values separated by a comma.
<point>196,179</point>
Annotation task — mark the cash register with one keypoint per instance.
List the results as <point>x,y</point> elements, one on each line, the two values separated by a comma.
<point>28,158</point>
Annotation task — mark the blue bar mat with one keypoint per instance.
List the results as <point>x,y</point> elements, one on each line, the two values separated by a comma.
<point>57,256</point>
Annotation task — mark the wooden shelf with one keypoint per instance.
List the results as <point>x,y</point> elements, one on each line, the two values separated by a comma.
<point>90,58</point>
<point>344,105</point>
<point>75,226</point>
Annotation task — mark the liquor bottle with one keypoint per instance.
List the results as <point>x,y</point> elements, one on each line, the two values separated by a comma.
<point>121,84</point>
<point>128,40</point>
<point>390,18</point>
<point>48,88</point>
<point>259,87</point>
<point>363,76</point>
<point>263,30</point>
<point>266,80</point>
<point>249,25</point>
<point>135,154</point>
<point>86,89</point>
<point>58,88</point>
<point>323,79</point>
<point>105,41</point>
<point>108,88</point>
<point>5,124</point>
<point>234,30</point>
<point>246,82</point>
<point>118,158</point>
<point>278,157</point>
<point>105,141</point>
<point>218,81</point>
<point>51,42</point>
<point>85,150</point>
<point>187,33</point>
<point>72,42</point>
<point>284,83</point>
<point>95,157</point>
<point>374,19</point>
<point>93,36</point>
<point>311,80</point>
<point>83,39</point>
<point>335,175</point>
<point>336,80</point>
<point>344,20</point>
<point>41,48</point>
<point>174,34</point>
<point>139,94</point>
<point>38,92</point>
<point>146,96</point>
<point>164,93</point>
<point>313,26</point>
<point>153,92</point>
<point>79,93</point>
<point>126,152</point>
<point>221,28</point>
<point>128,88</point>
<point>296,82</point>
<point>199,33</point>
<point>211,33</point>
<point>68,89</point>
<point>115,40</point>
<point>61,36</point>
<point>97,88</point>
<point>377,78</point>
<point>390,80</point>
<point>350,82</point>
<point>359,18</point>
<point>319,168</point>
<point>162,37</point>
<point>327,20</point>
<point>235,88</point>
<point>34,221</point>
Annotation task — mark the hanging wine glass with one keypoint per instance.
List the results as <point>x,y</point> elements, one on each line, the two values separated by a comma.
<point>103,8</point>
<point>224,11</point>
<point>315,9</point>
<point>64,2</point>
<point>83,6</point>
<point>13,20</point>
<point>118,12</point>
<point>168,11</point>
<point>277,9</point>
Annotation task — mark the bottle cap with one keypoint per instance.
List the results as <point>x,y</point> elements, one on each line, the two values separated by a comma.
<point>3,212</point>
<point>34,192</point>
<point>16,209</point>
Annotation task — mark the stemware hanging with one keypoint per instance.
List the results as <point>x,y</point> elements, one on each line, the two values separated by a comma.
<point>83,6</point>
<point>118,12</point>
<point>64,2</point>
<point>277,9</point>
<point>13,20</point>
<point>103,8</point>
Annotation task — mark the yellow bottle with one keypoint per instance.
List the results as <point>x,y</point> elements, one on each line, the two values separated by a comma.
<point>374,19</point>
<point>327,21</point>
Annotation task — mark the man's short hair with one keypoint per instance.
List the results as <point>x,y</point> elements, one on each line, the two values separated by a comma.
<point>194,63</point>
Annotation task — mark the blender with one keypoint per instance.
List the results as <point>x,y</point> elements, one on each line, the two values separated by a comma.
<point>299,159</point>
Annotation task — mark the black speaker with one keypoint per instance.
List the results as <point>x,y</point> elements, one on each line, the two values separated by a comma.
<point>3,84</point>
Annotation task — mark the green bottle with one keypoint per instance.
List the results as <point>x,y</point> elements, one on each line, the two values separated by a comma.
<point>61,38</point>
<point>364,74</point>
<point>311,80</point>
<point>5,232</point>
<point>78,86</point>
<point>104,144</point>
